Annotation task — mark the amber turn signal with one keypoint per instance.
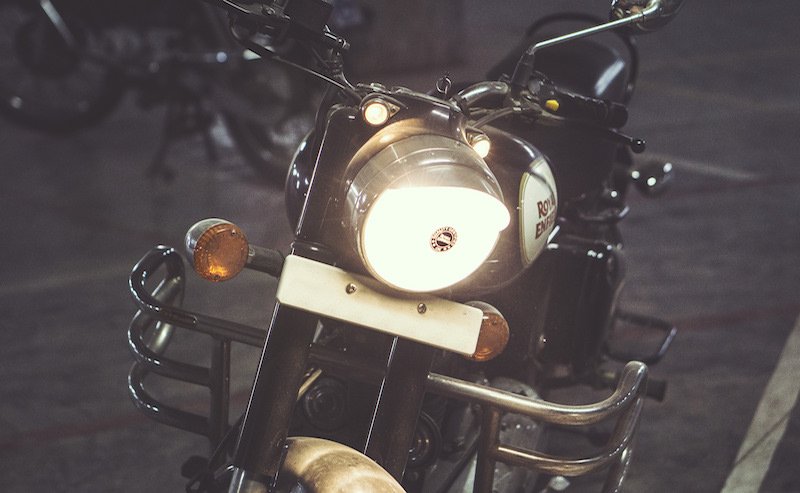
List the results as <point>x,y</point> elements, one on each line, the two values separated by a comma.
<point>494,334</point>
<point>218,249</point>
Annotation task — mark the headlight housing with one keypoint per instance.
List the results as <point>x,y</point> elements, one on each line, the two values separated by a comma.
<point>424,212</point>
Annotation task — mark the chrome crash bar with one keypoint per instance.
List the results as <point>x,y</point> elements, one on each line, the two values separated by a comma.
<point>160,314</point>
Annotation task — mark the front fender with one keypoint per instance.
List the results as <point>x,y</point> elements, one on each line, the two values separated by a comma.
<point>314,465</point>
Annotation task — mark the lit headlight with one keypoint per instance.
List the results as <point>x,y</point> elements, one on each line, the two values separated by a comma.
<point>426,212</point>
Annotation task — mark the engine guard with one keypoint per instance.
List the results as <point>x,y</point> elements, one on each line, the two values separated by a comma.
<point>160,314</point>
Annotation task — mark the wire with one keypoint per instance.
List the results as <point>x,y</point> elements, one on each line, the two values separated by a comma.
<point>271,55</point>
<point>501,113</point>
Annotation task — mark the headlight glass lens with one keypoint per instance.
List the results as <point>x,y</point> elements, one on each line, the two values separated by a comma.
<point>424,239</point>
<point>426,212</point>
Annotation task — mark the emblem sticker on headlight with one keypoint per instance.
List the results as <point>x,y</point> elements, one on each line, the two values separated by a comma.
<point>443,239</point>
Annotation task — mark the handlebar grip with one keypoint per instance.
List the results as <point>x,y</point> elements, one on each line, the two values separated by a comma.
<point>591,110</point>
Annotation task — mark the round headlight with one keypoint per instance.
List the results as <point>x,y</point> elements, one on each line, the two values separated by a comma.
<point>426,212</point>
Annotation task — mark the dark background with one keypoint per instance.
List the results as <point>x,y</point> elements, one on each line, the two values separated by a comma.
<point>718,255</point>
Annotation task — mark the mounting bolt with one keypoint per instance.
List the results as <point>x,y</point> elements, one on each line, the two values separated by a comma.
<point>350,288</point>
<point>421,308</point>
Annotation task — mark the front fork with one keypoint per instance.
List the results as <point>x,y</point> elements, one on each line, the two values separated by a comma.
<point>260,450</point>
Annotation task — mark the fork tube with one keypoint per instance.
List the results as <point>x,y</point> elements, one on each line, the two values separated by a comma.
<point>394,420</point>
<point>220,385</point>
<point>260,449</point>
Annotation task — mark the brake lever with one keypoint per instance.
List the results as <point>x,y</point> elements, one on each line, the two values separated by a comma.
<point>636,145</point>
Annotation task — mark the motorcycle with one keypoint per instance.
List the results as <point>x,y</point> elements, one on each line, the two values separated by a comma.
<point>68,64</point>
<point>456,260</point>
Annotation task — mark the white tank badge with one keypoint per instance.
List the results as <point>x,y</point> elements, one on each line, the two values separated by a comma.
<point>538,203</point>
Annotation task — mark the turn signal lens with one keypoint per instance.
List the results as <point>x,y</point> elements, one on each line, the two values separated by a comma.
<point>494,334</point>
<point>218,249</point>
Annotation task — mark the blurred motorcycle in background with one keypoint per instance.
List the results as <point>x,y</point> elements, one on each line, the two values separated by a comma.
<point>68,63</point>
<point>456,262</point>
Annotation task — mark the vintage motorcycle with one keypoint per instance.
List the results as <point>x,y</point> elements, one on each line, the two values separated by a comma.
<point>68,64</point>
<point>456,261</point>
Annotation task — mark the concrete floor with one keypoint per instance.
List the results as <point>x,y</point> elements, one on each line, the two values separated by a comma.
<point>719,256</point>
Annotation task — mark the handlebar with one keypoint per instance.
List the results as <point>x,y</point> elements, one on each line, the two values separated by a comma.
<point>587,109</point>
<point>291,18</point>
<point>599,112</point>
<point>601,116</point>
<point>308,22</point>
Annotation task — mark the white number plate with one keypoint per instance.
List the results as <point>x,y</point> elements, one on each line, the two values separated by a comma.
<point>332,292</point>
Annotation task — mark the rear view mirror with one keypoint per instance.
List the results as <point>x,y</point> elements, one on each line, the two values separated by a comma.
<point>663,11</point>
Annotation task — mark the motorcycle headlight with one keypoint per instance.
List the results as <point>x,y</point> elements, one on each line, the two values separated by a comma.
<point>425,213</point>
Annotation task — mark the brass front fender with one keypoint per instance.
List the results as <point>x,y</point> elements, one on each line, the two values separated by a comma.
<point>314,465</point>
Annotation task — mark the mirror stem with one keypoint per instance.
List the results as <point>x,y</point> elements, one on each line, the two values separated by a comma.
<point>524,67</point>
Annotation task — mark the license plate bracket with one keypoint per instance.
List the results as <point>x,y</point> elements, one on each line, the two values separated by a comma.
<point>335,293</point>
